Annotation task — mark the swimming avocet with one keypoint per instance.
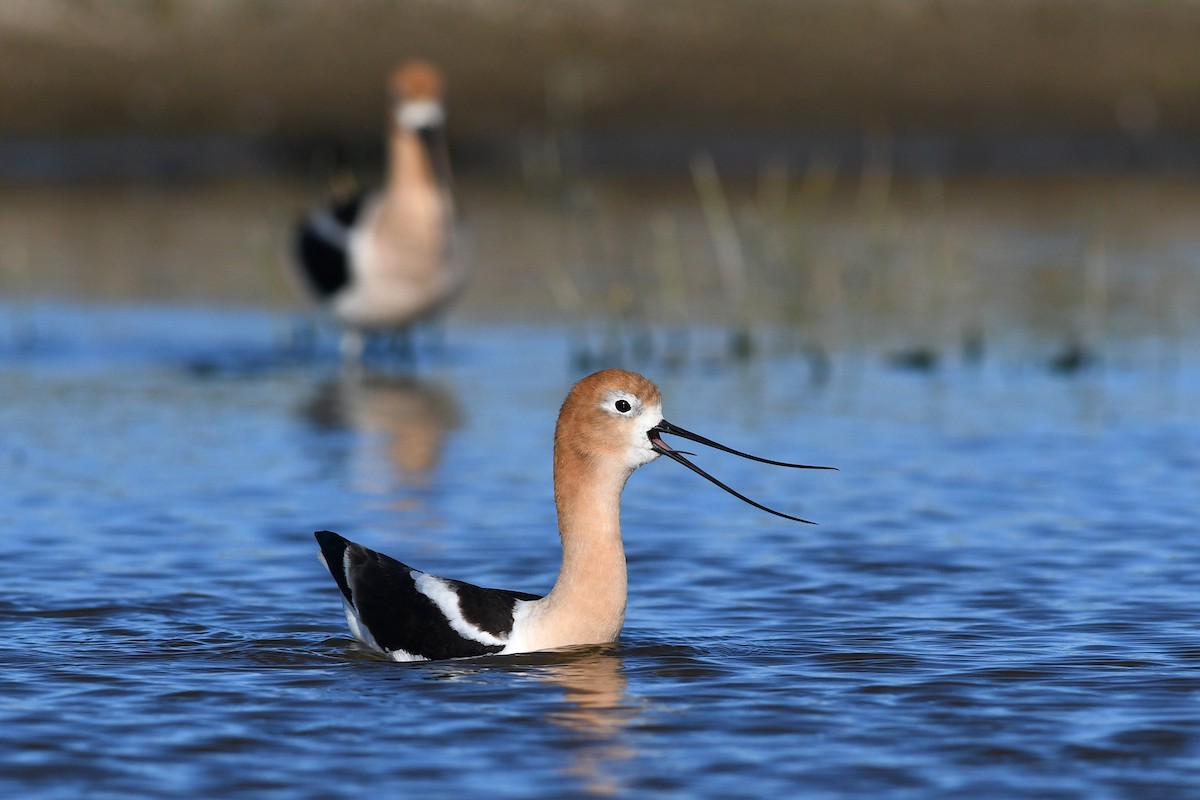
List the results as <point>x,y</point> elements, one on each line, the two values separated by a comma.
<point>610,424</point>
<point>382,261</point>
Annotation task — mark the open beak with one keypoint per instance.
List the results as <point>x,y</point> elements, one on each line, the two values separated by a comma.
<point>661,447</point>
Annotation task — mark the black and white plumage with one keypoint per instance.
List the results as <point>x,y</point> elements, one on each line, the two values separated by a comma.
<point>385,260</point>
<point>610,424</point>
<point>412,615</point>
<point>322,245</point>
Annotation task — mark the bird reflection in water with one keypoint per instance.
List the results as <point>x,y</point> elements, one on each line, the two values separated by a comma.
<point>596,711</point>
<point>593,713</point>
<point>405,422</point>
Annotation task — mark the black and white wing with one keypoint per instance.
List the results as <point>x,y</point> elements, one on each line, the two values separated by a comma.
<point>323,245</point>
<point>412,615</point>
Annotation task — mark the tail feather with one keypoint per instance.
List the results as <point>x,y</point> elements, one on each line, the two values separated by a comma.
<point>333,554</point>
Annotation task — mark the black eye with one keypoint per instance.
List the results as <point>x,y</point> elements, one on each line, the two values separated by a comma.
<point>623,406</point>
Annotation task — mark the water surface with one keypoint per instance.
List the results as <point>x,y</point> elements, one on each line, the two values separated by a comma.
<point>1000,599</point>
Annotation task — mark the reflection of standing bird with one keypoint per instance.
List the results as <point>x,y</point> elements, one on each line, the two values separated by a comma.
<point>406,422</point>
<point>382,261</point>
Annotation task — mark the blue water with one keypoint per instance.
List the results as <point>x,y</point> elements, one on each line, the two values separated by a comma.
<point>1000,600</point>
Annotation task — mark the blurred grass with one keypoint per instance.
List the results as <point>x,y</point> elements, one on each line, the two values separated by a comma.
<point>937,270</point>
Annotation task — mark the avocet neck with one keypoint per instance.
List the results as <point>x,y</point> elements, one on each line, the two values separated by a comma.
<point>596,448</point>
<point>587,603</point>
<point>414,200</point>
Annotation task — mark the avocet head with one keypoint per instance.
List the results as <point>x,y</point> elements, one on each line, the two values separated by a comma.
<point>607,415</point>
<point>417,90</point>
<point>617,414</point>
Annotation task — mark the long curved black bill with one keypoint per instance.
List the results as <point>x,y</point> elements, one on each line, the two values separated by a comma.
<point>661,447</point>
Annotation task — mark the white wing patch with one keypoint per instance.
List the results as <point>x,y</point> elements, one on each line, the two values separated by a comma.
<point>326,226</point>
<point>446,599</point>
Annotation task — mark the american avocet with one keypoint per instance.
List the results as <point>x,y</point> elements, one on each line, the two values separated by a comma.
<point>382,261</point>
<point>610,424</point>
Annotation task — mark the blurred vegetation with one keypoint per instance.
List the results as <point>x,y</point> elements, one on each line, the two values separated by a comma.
<point>895,175</point>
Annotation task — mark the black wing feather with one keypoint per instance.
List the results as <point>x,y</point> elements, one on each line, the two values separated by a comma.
<point>401,617</point>
<point>321,245</point>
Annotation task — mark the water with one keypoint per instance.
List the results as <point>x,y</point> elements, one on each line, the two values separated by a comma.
<point>999,600</point>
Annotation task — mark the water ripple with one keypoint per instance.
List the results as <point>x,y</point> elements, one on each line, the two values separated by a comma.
<point>993,609</point>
